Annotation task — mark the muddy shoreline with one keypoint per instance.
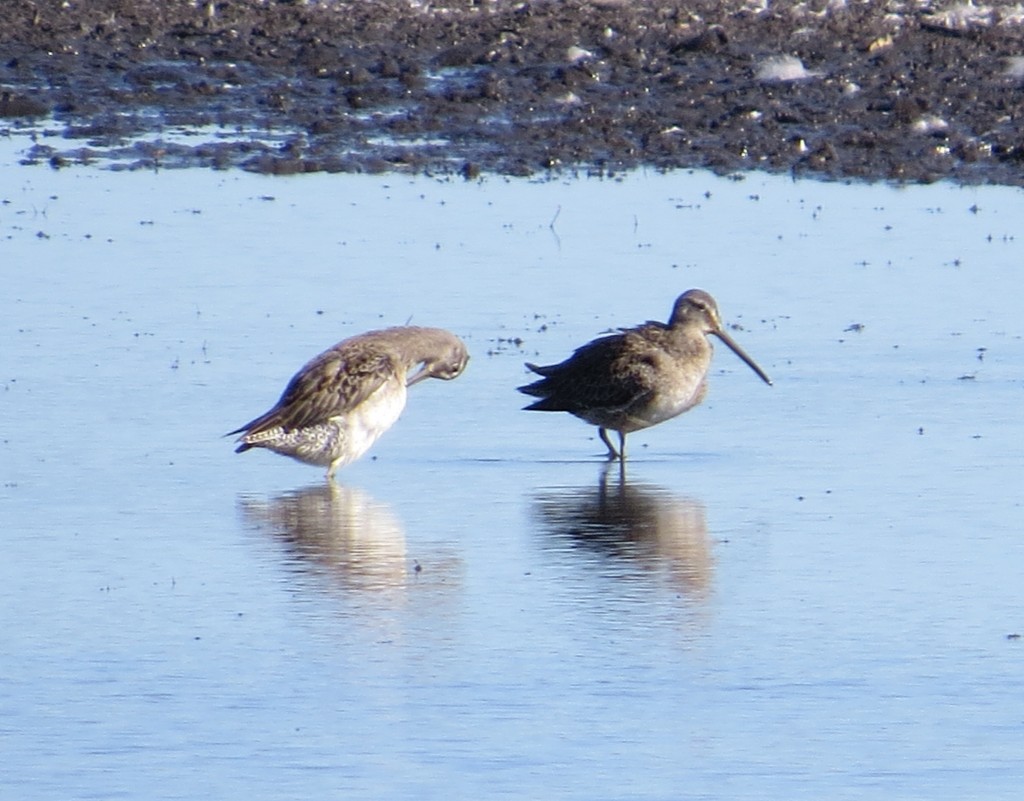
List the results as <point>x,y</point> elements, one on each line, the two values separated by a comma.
<point>910,92</point>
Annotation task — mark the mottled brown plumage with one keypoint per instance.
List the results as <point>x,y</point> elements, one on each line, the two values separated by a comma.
<point>342,400</point>
<point>640,376</point>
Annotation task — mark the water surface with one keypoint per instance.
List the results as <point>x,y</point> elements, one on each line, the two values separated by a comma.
<point>802,591</point>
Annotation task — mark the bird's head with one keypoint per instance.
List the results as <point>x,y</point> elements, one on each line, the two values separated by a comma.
<point>696,308</point>
<point>447,363</point>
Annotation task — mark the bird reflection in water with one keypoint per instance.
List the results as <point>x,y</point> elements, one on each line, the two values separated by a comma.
<point>642,529</point>
<point>340,533</point>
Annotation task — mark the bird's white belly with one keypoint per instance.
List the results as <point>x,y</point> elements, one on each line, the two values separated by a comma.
<point>362,426</point>
<point>341,439</point>
<point>671,400</point>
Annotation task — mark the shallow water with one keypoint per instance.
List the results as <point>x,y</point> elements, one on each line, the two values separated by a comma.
<point>802,591</point>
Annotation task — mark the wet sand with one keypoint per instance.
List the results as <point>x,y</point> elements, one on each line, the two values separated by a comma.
<point>877,91</point>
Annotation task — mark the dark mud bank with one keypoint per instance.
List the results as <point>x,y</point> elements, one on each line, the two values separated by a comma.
<point>869,90</point>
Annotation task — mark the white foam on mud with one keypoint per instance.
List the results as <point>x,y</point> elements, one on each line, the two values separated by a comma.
<point>784,68</point>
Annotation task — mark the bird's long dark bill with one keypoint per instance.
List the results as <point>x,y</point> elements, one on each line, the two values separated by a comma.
<point>728,340</point>
<point>418,376</point>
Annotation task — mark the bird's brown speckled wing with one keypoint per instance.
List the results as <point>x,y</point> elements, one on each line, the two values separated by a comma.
<point>333,383</point>
<point>608,373</point>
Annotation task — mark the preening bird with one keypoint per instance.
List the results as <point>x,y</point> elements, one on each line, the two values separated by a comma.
<point>341,401</point>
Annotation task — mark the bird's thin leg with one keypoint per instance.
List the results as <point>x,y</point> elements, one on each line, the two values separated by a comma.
<point>622,447</point>
<point>612,453</point>
<point>332,470</point>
